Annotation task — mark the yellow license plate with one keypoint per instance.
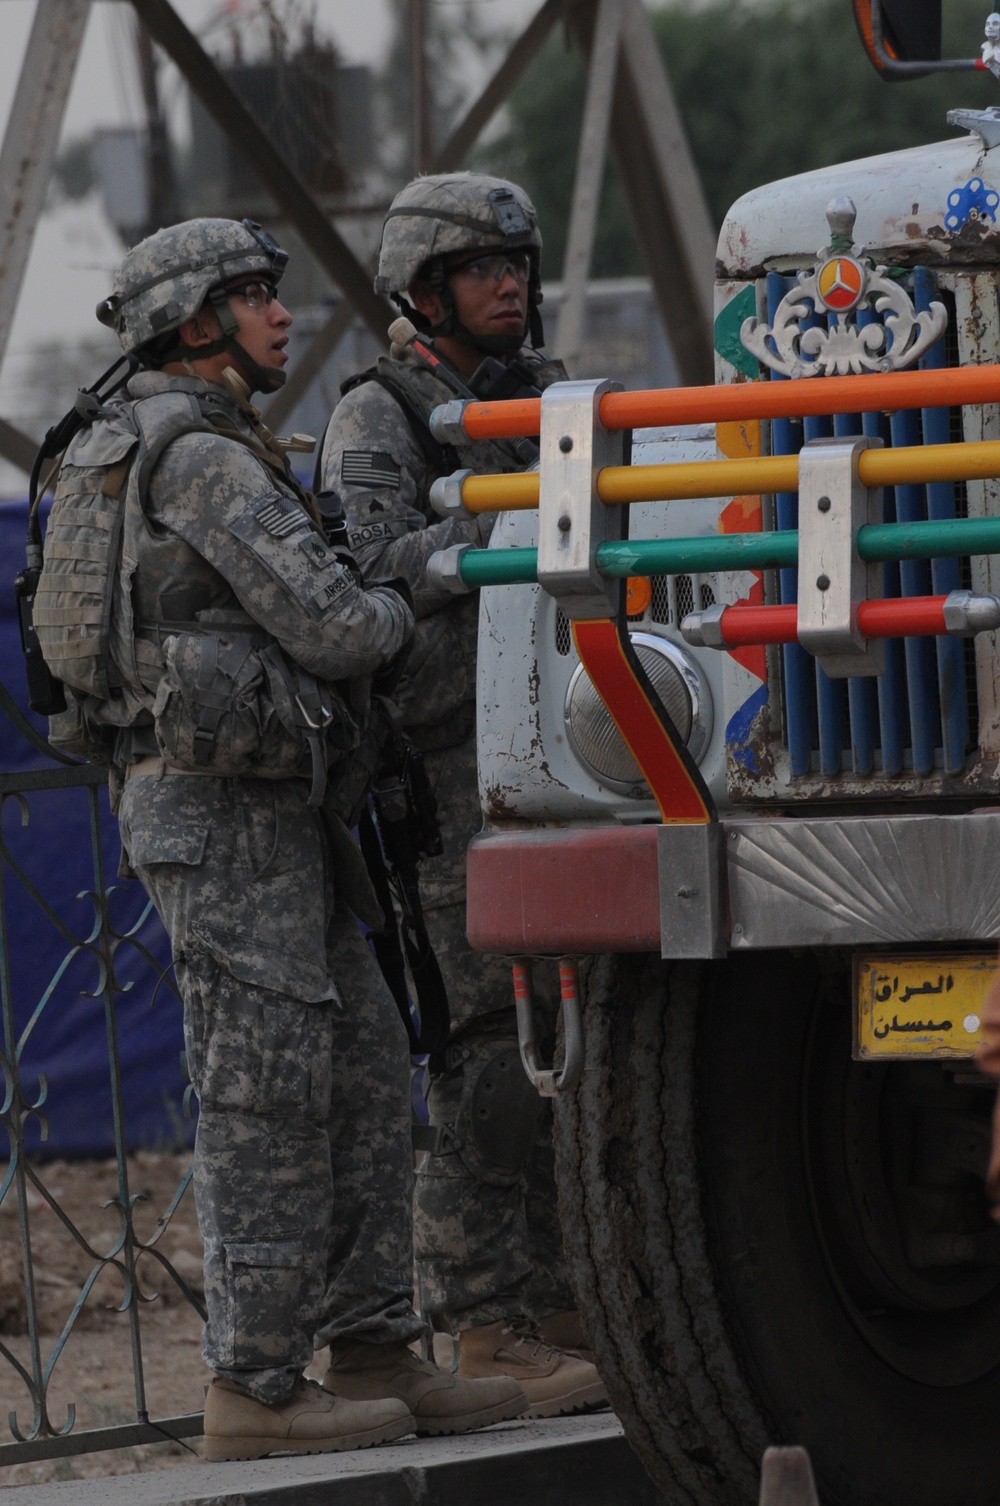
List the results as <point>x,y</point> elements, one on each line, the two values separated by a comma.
<point>920,1005</point>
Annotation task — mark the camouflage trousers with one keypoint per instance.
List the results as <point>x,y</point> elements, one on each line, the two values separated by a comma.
<point>302,1163</point>
<point>486,1228</point>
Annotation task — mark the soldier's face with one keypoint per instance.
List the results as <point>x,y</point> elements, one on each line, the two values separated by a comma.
<point>263,322</point>
<point>485,304</point>
<point>489,305</point>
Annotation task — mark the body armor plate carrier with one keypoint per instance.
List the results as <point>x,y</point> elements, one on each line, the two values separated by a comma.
<point>214,695</point>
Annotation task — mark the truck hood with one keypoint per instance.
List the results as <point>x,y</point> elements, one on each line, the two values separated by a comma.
<point>904,214</point>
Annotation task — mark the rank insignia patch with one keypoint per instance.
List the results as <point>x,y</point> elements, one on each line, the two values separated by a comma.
<point>369,468</point>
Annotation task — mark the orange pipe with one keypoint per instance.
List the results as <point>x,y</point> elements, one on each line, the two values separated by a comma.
<point>947,387</point>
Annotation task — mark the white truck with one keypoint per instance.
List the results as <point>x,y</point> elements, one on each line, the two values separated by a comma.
<point>771,1172</point>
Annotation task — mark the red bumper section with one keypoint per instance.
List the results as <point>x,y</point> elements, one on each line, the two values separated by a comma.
<point>575,890</point>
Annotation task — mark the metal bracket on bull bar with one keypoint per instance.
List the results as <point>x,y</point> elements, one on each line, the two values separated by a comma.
<point>833,579</point>
<point>572,519</point>
<point>550,1081</point>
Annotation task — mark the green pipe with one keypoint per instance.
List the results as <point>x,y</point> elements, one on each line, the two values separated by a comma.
<point>500,567</point>
<point>931,540</point>
<point>741,551</point>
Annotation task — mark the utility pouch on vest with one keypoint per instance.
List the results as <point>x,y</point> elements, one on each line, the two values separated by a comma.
<point>227,705</point>
<point>72,610</point>
<point>74,730</point>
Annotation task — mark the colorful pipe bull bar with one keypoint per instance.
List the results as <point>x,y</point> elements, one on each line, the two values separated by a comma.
<point>876,543</point>
<point>687,480</point>
<point>669,406</point>
<point>583,555</point>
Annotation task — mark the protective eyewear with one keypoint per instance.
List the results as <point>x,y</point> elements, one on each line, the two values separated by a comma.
<point>255,294</point>
<point>495,266</point>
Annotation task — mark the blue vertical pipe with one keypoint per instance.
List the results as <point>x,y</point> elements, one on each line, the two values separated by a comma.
<point>890,687</point>
<point>915,580</point>
<point>893,715</point>
<point>945,573</point>
<point>831,696</point>
<point>862,691</point>
<point>800,700</point>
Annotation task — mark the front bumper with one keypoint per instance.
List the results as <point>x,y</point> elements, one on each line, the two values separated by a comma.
<point>742,884</point>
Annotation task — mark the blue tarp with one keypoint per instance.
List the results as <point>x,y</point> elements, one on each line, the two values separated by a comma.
<point>65,1038</point>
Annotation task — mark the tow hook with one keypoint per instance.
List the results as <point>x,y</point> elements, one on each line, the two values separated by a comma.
<point>550,1082</point>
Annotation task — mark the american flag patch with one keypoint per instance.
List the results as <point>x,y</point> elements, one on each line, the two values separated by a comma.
<point>280,518</point>
<point>369,468</point>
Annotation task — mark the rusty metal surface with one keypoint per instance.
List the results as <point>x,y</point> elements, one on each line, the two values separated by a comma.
<point>902,200</point>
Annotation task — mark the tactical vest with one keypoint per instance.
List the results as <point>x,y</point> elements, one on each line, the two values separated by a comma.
<point>419,391</point>
<point>216,693</point>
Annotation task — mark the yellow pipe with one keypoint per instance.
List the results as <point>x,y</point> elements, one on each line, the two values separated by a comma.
<point>933,462</point>
<point>730,478</point>
<point>699,478</point>
<point>507,493</point>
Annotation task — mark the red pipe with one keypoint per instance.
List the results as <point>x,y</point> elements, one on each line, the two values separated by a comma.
<point>893,617</point>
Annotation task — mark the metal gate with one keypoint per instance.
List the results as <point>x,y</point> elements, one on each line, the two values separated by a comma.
<point>70,953</point>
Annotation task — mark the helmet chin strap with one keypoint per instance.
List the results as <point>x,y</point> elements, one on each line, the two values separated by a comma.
<point>261,378</point>
<point>491,345</point>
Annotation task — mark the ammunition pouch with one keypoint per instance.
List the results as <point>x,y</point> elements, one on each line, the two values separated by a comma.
<point>230,703</point>
<point>75,731</point>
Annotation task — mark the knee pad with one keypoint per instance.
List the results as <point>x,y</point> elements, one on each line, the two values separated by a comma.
<point>498,1117</point>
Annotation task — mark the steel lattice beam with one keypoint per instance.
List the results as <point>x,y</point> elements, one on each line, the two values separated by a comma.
<point>282,183</point>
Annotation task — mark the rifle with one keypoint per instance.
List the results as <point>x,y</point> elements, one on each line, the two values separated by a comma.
<point>397,829</point>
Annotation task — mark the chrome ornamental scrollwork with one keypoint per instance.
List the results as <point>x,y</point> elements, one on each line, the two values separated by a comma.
<point>840,283</point>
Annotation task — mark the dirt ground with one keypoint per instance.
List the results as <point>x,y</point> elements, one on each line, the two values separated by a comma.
<point>94,1371</point>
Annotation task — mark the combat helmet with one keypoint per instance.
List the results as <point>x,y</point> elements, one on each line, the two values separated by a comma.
<point>447,212</point>
<point>170,275</point>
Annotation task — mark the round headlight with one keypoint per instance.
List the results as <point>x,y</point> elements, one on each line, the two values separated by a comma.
<point>677,681</point>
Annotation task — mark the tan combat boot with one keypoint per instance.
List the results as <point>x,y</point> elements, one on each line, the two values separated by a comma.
<point>554,1381</point>
<point>237,1426</point>
<point>440,1402</point>
<point>565,1330</point>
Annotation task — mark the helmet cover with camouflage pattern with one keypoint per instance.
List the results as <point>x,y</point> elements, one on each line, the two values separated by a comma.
<point>166,278</point>
<point>446,212</point>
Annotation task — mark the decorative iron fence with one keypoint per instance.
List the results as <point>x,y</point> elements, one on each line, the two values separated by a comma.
<point>91,1068</point>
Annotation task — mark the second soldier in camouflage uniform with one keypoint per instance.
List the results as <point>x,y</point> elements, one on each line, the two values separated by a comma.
<point>460,253</point>
<point>241,653</point>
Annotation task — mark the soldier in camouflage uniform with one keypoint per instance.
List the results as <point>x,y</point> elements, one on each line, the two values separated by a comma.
<point>460,254</point>
<point>237,630</point>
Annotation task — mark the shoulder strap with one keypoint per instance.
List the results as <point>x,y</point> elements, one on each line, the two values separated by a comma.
<point>439,457</point>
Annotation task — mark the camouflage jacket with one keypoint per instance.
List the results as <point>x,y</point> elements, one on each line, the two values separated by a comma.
<point>225,536</point>
<point>373,460</point>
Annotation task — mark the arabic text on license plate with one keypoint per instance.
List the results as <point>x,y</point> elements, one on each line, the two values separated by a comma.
<point>920,1005</point>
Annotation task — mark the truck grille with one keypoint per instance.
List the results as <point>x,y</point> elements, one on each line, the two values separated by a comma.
<point>672,597</point>
<point>921,716</point>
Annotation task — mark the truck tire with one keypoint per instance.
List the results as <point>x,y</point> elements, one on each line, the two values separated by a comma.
<point>733,1190</point>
